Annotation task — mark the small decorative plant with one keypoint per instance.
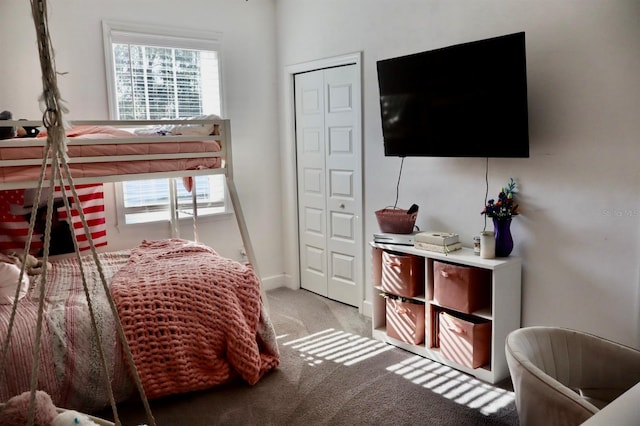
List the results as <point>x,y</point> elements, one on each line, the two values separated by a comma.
<point>505,207</point>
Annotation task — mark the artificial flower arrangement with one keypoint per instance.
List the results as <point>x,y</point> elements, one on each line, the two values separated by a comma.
<point>505,207</point>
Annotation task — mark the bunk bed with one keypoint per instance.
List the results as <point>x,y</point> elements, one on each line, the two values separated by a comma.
<point>173,296</point>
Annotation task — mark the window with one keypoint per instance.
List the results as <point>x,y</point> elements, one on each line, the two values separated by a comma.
<point>160,74</point>
<point>149,200</point>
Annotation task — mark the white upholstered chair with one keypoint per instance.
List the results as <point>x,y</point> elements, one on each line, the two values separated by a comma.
<point>563,377</point>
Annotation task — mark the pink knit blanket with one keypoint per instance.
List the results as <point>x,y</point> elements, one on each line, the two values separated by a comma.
<point>193,319</point>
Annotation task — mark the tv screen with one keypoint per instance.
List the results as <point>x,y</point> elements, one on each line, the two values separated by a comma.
<point>467,100</point>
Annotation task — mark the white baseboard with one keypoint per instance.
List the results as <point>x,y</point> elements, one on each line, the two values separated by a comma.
<point>276,281</point>
<point>367,309</point>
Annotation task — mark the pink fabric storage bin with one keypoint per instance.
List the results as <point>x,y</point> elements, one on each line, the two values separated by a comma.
<point>402,274</point>
<point>405,320</point>
<point>463,288</point>
<point>376,266</point>
<point>466,341</point>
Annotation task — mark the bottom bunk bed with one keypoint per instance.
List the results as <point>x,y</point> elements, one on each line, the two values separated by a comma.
<point>192,318</point>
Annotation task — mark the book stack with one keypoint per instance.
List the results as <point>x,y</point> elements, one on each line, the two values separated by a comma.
<point>440,242</point>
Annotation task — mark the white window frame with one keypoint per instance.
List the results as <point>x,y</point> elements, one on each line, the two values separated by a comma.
<point>149,35</point>
<point>182,212</point>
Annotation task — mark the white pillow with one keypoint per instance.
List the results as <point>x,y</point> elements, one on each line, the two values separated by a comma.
<point>183,129</point>
<point>196,129</point>
<point>9,274</point>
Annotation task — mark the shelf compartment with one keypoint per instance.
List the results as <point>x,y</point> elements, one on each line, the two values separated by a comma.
<point>484,313</point>
<point>464,339</point>
<point>402,274</point>
<point>460,287</point>
<point>405,319</point>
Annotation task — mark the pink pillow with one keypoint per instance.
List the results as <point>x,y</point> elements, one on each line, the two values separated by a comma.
<point>9,274</point>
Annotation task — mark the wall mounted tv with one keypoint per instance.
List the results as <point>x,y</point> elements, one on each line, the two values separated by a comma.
<point>467,100</point>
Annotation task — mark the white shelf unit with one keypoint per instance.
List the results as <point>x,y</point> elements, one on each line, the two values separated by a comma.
<point>504,312</point>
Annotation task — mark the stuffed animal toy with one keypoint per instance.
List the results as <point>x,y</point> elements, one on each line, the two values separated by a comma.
<point>17,131</point>
<point>27,131</point>
<point>10,266</point>
<point>16,410</point>
<point>7,132</point>
<point>72,418</point>
<point>9,281</point>
<point>33,265</point>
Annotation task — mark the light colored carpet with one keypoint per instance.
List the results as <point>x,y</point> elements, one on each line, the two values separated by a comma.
<point>333,373</point>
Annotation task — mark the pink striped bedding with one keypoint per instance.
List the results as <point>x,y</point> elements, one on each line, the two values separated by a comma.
<point>70,369</point>
<point>10,174</point>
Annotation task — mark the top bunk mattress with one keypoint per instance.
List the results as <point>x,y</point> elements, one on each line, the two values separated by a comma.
<point>99,151</point>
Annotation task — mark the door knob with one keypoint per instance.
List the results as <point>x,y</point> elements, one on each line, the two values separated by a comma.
<point>341,205</point>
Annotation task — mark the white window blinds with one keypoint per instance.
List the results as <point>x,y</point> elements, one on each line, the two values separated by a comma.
<point>155,82</point>
<point>155,75</point>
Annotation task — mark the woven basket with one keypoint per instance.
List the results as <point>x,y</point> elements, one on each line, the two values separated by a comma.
<point>396,221</point>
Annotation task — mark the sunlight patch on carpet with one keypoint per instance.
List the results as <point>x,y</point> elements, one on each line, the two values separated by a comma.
<point>453,385</point>
<point>348,349</point>
<point>336,346</point>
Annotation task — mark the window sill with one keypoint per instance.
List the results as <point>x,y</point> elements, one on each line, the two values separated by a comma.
<point>181,221</point>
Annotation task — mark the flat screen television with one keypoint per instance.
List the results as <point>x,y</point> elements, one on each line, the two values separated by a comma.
<point>467,100</point>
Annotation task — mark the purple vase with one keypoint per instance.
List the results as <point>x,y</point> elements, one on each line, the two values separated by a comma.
<point>504,239</point>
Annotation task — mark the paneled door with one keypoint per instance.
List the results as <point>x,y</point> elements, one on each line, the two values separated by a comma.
<point>329,179</point>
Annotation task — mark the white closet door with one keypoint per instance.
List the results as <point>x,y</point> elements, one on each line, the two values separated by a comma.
<point>329,156</point>
<point>312,209</point>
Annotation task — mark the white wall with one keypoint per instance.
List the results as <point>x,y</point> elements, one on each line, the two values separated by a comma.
<point>249,78</point>
<point>578,232</point>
